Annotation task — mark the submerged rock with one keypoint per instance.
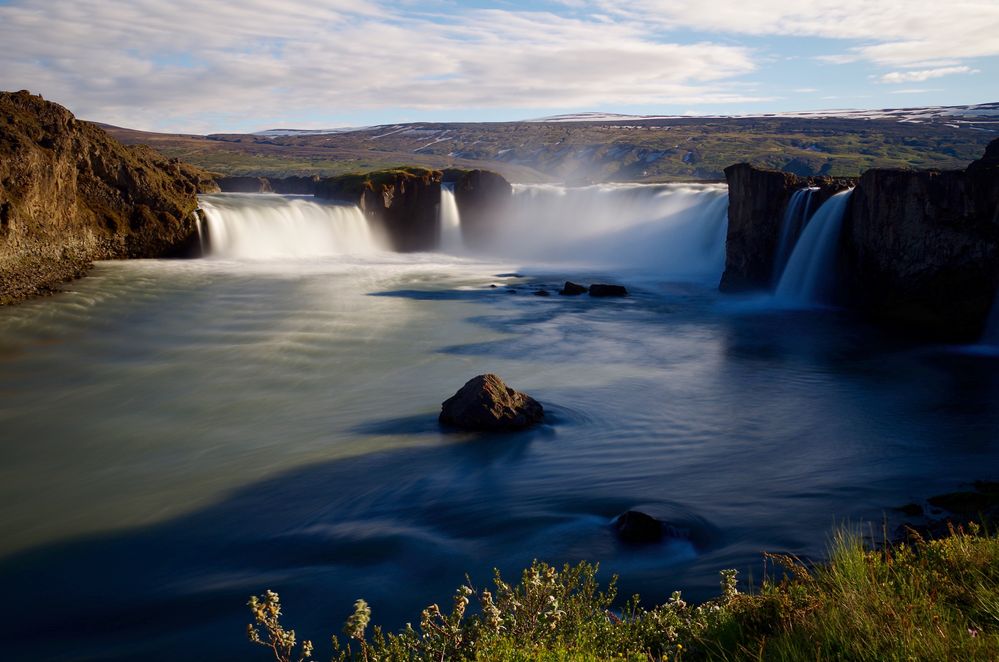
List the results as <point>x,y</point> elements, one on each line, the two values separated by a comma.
<point>638,528</point>
<point>603,290</point>
<point>486,403</point>
<point>572,289</point>
<point>541,293</point>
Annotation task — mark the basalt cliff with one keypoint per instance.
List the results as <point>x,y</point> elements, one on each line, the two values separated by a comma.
<point>919,250</point>
<point>71,194</point>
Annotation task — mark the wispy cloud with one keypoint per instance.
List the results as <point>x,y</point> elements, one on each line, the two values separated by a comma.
<point>918,76</point>
<point>112,57</point>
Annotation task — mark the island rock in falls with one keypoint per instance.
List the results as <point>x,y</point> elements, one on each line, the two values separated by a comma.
<point>71,194</point>
<point>486,403</point>
<point>757,199</point>
<point>401,204</point>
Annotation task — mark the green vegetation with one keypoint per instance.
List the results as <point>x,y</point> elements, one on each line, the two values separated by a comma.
<point>924,600</point>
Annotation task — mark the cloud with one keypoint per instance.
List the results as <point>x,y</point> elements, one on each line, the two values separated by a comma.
<point>187,64</point>
<point>899,31</point>
<point>919,76</point>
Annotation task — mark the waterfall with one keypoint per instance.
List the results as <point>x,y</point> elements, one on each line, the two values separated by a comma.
<point>799,210</point>
<point>810,275</point>
<point>675,230</point>
<point>450,221</point>
<point>990,338</point>
<point>273,226</point>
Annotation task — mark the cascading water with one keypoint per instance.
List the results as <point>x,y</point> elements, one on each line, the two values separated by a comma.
<point>450,221</point>
<point>676,230</point>
<point>810,275</point>
<point>799,210</point>
<point>248,226</point>
<point>990,339</point>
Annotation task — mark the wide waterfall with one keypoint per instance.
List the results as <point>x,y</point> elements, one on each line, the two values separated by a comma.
<point>673,229</point>
<point>799,209</point>
<point>450,221</point>
<point>252,226</point>
<point>810,276</point>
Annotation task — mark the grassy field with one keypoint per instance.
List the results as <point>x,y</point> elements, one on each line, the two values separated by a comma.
<point>921,600</point>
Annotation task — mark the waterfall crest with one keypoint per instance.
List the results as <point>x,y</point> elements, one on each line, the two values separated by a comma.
<point>450,221</point>
<point>799,210</point>
<point>248,226</point>
<point>810,275</point>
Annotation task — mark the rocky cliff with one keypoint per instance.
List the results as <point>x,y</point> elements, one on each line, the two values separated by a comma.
<point>481,197</point>
<point>757,199</point>
<point>70,194</point>
<point>400,204</point>
<point>283,185</point>
<point>922,248</point>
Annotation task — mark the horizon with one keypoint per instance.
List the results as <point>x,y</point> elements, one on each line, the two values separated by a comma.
<point>266,65</point>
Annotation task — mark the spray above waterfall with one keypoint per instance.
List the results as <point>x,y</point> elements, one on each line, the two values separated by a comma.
<point>810,275</point>
<point>673,230</point>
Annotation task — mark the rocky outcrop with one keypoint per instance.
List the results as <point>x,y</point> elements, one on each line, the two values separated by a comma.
<point>757,199</point>
<point>922,248</point>
<point>485,403</point>
<point>482,198</point>
<point>401,204</point>
<point>283,185</point>
<point>70,194</point>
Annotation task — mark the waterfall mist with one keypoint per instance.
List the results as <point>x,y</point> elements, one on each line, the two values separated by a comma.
<point>675,230</point>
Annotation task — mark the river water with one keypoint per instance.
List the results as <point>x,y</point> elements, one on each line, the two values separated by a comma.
<point>179,435</point>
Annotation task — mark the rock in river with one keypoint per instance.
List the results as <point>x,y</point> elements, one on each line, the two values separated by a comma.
<point>486,403</point>
<point>602,290</point>
<point>638,528</point>
<point>572,289</point>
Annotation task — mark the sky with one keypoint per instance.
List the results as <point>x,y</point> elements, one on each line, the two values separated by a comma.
<point>198,67</point>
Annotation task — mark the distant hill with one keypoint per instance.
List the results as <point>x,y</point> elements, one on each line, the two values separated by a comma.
<point>593,147</point>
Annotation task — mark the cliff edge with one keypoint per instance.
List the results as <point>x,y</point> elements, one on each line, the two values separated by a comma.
<point>71,194</point>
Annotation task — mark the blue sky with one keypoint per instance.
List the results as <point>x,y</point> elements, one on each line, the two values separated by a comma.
<point>182,65</point>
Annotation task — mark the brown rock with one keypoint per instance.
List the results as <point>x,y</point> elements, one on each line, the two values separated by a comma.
<point>486,403</point>
<point>71,194</point>
<point>572,289</point>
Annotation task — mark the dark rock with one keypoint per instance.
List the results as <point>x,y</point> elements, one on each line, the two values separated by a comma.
<point>482,198</point>
<point>71,194</point>
<point>638,528</point>
<point>989,160</point>
<point>401,203</point>
<point>603,290</point>
<point>486,403</point>
<point>757,199</point>
<point>493,285</point>
<point>244,184</point>
<point>294,185</point>
<point>572,289</point>
<point>922,249</point>
<point>541,293</point>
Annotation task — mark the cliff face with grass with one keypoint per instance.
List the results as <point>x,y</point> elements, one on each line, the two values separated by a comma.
<point>923,247</point>
<point>70,194</point>
<point>402,204</point>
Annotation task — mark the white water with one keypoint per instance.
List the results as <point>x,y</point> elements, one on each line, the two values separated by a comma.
<point>810,276</point>
<point>450,221</point>
<point>674,230</point>
<point>799,210</point>
<point>990,339</point>
<point>253,226</point>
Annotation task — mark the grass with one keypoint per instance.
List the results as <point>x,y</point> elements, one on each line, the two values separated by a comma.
<point>921,600</point>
